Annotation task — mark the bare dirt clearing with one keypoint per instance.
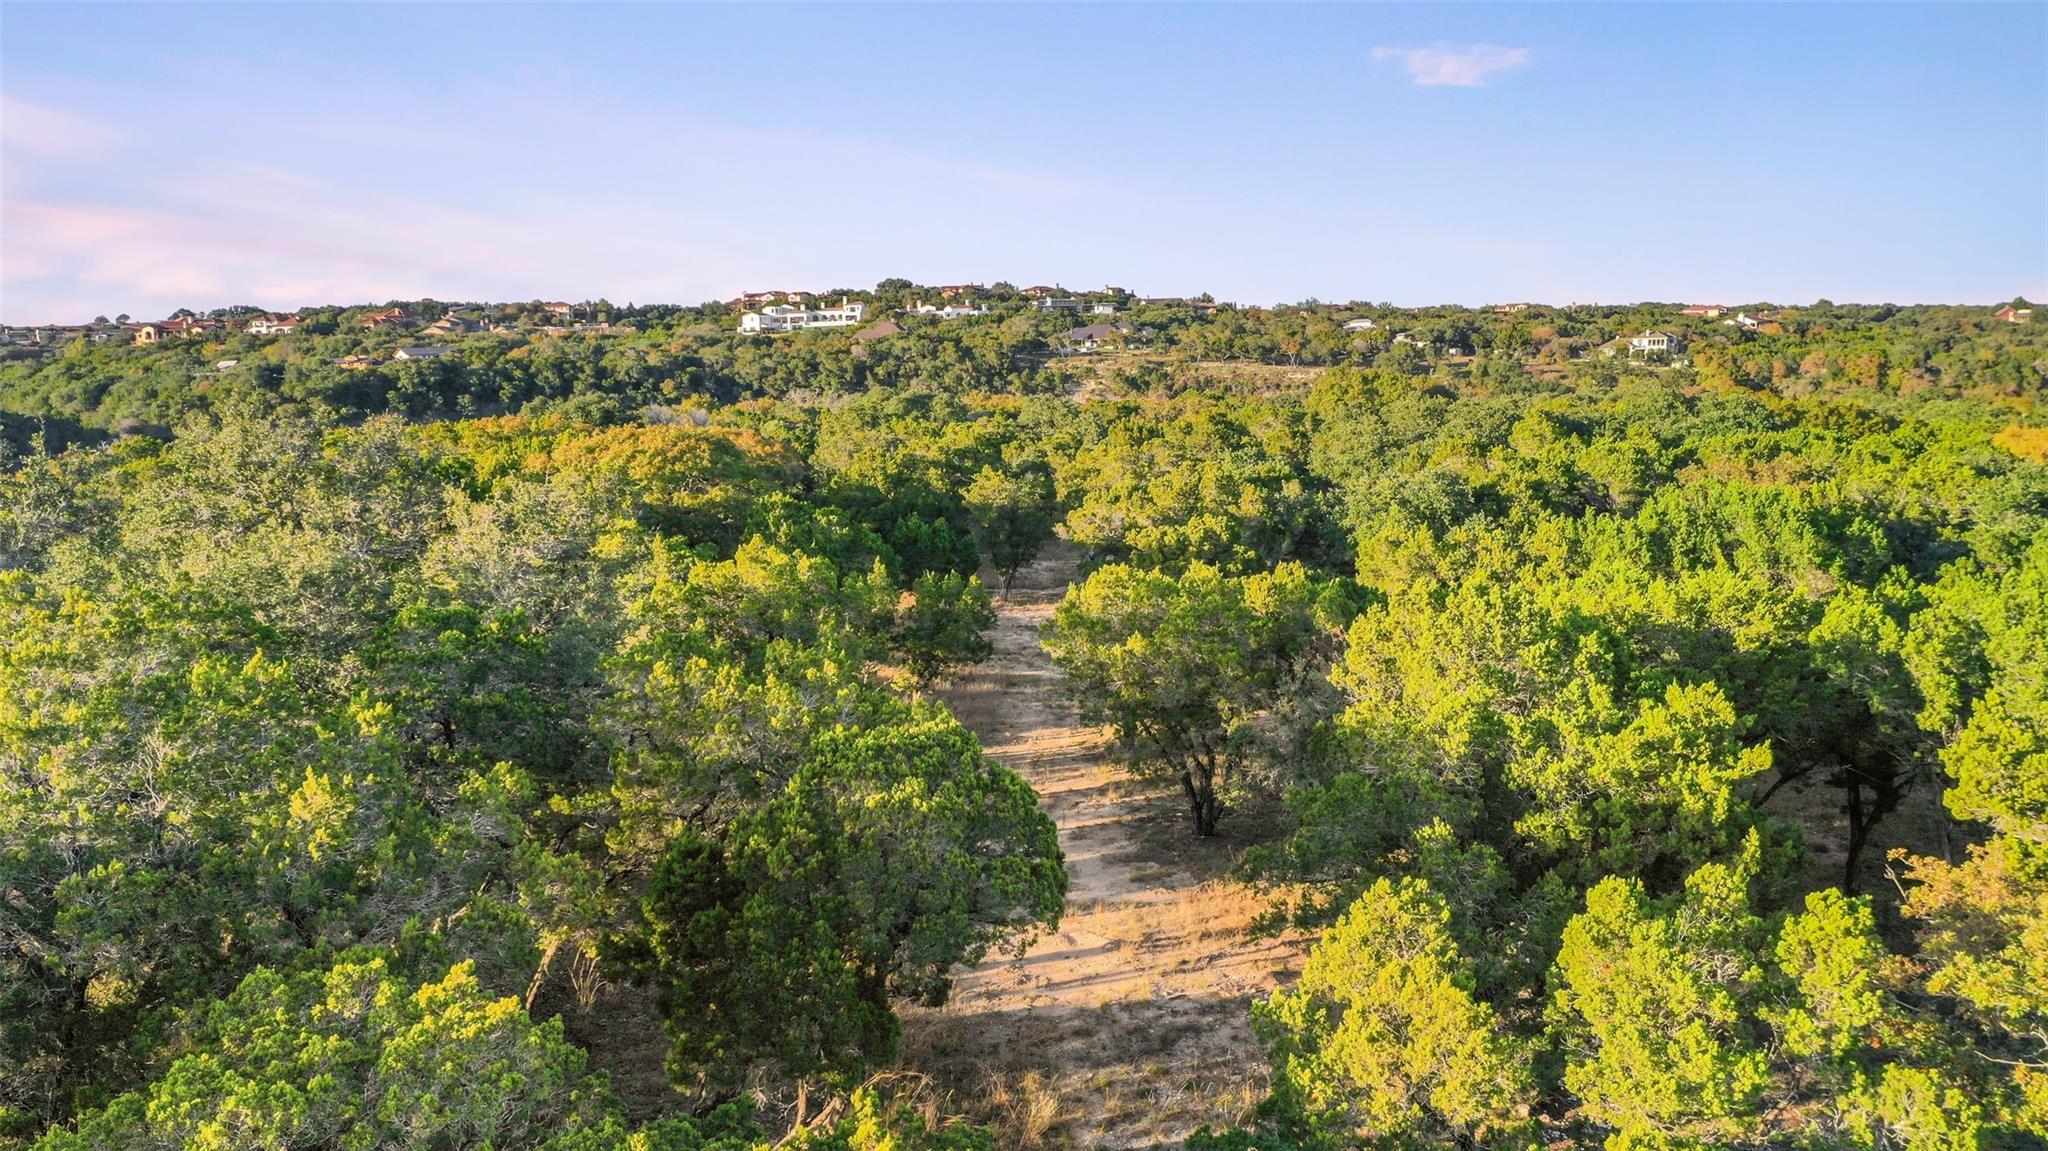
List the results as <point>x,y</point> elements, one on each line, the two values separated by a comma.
<point>1129,1026</point>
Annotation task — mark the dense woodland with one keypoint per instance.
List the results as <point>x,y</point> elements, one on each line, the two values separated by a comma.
<point>1661,750</point>
<point>690,355</point>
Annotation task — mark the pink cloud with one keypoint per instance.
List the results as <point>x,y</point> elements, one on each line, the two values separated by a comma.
<point>1455,65</point>
<point>46,131</point>
<point>140,253</point>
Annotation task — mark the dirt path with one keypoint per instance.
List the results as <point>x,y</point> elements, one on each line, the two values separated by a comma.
<point>1129,1026</point>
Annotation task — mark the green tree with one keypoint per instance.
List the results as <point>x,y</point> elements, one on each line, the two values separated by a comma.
<point>1660,789</point>
<point>1982,923</point>
<point>1183,666</point>
<point>1649,1009</point>
<point>1383,1042</point>
<point>1013,517</point>
<point>892,855</point>
<point>940,625</point>
<point>352,1056</point>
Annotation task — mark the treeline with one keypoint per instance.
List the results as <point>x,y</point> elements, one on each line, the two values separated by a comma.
<point>334,368</point>
<point>1662,759</point>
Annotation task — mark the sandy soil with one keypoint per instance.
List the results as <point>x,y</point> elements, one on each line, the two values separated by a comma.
<point>1129,1025</point>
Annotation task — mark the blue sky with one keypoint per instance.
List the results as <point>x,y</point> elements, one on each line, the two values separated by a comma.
<point>283,155</point>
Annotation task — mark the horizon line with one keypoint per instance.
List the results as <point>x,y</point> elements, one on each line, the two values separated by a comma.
<point>1355,302</point>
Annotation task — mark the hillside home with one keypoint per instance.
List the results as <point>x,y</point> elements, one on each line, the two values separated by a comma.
<point>1703,311</point>
<point>949,312</point>
<point>166,329</point>
<point>60,335</point>
<point>1653,344</point>
<point>2012,315</point>
<point>1361,324</point>
<point>1094,336</point>
<point>423,353</point>
<point>388,318</point>
<point>1059,304</point>
<point>1103,309</point>
<point>783,318</point>
<point>450,325</point>
<point>273,325</point>
<point>959,291</point>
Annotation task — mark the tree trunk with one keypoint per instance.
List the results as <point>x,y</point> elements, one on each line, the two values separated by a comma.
<point>540,974</point>
<point>1859,832</point>
<point>1198,784</point>
<point>1207,814</point>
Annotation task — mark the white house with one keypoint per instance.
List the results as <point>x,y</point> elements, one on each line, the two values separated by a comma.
<point>273,325</point>
<point>1103,309</point>
<point>783,318</point>
<point>1059,304</point>
<point>1652,344</point>
<point>421,353</point>
<point>949,312</point>
<point>1745,321</point>
<point>1360,324</point>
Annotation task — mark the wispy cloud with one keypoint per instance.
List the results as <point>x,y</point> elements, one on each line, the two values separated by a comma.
<point>1455,65</point>
<point>143,225</point>
<point>47,131</point>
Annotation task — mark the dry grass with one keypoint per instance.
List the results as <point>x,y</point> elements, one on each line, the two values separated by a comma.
<point>1174,927</point>
<point>1026,1108</point>
<point>1116,1075</point>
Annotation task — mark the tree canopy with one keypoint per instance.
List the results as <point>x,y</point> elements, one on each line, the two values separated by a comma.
<point>1657,753</point>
